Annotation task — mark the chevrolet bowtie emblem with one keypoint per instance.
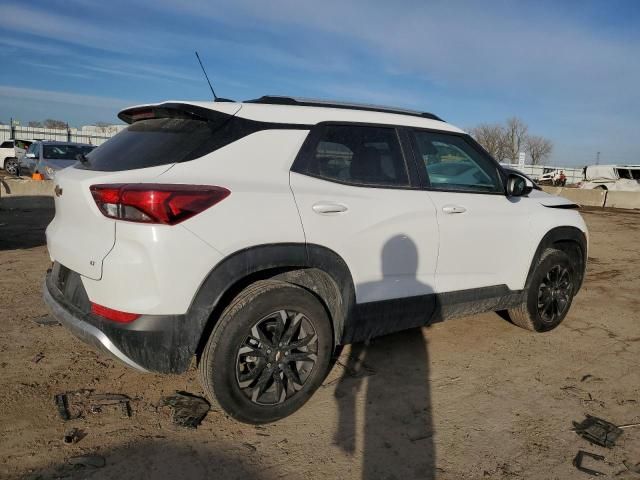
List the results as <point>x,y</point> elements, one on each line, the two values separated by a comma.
<point>58,191</point>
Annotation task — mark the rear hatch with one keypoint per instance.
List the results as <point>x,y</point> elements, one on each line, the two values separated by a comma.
<point>80,236</point>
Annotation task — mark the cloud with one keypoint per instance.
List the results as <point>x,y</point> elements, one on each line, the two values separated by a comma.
<point>63,98</point>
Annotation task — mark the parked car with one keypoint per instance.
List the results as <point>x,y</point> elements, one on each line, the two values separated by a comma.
<point>259,236</point>
<point>10,153</point>
<point>611,177</point>
<point>47,157</point>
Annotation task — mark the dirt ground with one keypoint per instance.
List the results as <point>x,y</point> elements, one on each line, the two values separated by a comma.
<point>469,398</point>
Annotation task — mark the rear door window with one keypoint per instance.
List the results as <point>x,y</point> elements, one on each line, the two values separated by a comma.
<point>7,144</point>
<point>358,155</point>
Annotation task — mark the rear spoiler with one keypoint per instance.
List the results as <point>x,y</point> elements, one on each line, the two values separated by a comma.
<point>176,110</point>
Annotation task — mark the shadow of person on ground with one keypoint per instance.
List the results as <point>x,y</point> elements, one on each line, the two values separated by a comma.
<point>393,372</point>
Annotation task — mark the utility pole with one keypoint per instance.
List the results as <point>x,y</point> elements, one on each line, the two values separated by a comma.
<point>598,158</point>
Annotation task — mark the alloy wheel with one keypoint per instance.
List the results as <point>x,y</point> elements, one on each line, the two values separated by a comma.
<point>277,357</point>
<point>554,294</point>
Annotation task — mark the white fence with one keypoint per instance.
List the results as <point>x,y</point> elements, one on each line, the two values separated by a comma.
<point>574,175</point>
<point>71,135</point>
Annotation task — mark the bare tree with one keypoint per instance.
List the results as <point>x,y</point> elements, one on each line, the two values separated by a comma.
<point>516,137</point>
<point>493,138</point>
<point>34,124</point>
<point>539,149</point>
<point>57,124</point>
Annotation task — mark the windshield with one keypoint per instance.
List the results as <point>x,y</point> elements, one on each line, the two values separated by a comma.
<point>65,152</point>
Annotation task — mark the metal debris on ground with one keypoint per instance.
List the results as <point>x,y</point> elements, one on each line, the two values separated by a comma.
<point>46,321</point>
<point>79,403</point>
<point>579,458</point>
<point>598,431</point>
<point>39,356</point>
<point>73,436</point>
<point>93,461</point>
<point>188,410</point>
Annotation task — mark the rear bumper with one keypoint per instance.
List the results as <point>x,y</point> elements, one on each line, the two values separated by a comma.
<point>152,343</point>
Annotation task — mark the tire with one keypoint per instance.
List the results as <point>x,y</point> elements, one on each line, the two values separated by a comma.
<point>11,166</point>
<point>244,350</point>
<point>542,309</point>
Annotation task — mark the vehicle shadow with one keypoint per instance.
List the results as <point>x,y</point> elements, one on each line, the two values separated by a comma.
<point>23,227</point>
<point>157,459</point>
<point>393,372</point>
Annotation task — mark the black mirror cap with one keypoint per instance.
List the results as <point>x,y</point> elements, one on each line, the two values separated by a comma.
<point>518,185</point>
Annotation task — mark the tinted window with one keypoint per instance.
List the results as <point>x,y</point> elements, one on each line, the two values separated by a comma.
<point>162,141</point>
<point>359,155</point>
<point>6,145</point>
<point>452,163</point>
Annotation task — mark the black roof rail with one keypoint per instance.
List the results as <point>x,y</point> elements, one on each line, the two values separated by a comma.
<point>308,102</point>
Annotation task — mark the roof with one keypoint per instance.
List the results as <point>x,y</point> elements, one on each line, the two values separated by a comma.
<point>58,142</point>
<point>303,112</point>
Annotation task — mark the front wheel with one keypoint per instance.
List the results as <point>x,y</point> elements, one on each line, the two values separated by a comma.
<point>11,166</point>
<point>549,293</point>
<point>269,352</point>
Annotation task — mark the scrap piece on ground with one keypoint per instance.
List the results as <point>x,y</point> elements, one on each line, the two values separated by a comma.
<point>188,410</point>
<point>598,431</point>
<point>46,321</point>
<point>93,461</point>
<point>73,436</point>
<point>577,462</point>
<point>77,403</point>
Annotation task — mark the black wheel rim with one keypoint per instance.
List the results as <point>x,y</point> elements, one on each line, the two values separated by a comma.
<point>554,294</point>
<point>277,357</point>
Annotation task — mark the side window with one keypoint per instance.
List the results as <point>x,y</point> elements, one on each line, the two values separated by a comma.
<point>359,155</point>
<point>7,144</point>
<point>452,163</point>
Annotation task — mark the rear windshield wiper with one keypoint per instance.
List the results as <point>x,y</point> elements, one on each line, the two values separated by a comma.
<point>82,158</point>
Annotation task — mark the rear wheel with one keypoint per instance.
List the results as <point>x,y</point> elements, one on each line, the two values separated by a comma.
<point>11,166</point>
<point>269,352</point>
<point>549,294</point>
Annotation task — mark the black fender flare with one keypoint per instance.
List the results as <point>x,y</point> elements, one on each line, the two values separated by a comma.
<point>558,235</point>
<point>272,260</point>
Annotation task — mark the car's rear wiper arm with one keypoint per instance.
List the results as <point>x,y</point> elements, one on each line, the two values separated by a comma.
<point>82,158</point>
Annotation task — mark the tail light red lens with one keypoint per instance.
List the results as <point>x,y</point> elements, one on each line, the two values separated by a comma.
<point>155,203</point>
<point>114,315</point>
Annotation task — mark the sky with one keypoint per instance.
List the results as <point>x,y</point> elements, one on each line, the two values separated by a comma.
<point>569,69</point>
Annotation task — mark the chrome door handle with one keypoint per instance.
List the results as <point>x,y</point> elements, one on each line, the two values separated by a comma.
<point>328,208</point>
<point>453,209</point>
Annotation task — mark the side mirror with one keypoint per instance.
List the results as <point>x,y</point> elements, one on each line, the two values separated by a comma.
<point>518,186</point>
<point>30,155</point>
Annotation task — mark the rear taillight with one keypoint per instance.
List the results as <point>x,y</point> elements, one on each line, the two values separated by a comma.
<point>113,315</point>
<point>155,203</point>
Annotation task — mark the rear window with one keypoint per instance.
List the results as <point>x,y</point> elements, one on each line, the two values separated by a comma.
<point>162,141</point>
<point>6,145</point>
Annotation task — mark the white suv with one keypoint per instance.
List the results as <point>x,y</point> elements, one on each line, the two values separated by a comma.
<point>10,153</point>
<point>258,236</point>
